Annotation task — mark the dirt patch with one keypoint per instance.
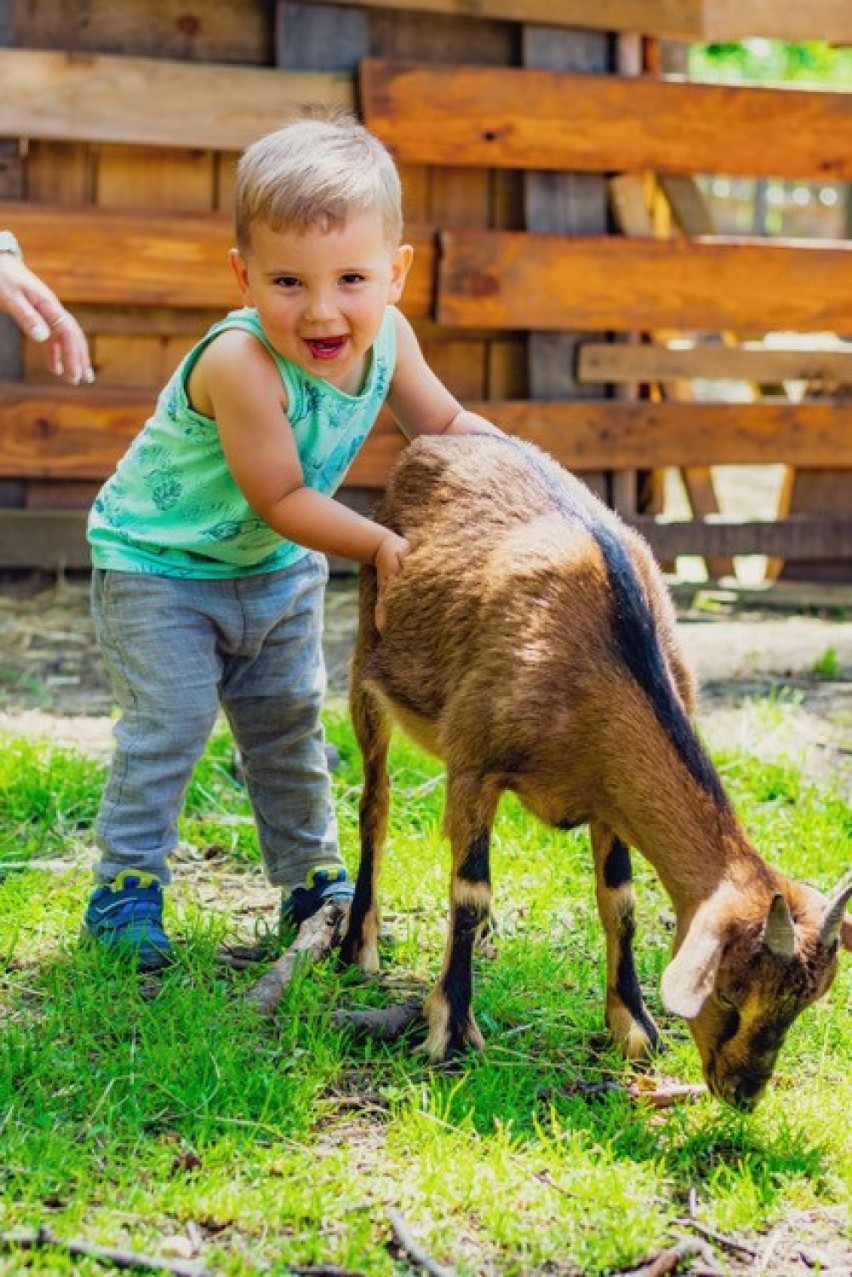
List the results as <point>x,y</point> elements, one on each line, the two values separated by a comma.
<point>53,685</point>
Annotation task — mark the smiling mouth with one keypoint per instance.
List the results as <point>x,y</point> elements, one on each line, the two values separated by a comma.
<point>325,347</point>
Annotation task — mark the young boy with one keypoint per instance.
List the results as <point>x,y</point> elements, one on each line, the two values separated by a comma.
<point>207,542</point>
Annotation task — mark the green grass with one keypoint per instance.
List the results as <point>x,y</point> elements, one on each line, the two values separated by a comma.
<point>130,1110</point>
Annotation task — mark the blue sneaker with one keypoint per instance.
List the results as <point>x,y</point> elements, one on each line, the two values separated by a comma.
<point>321,886</point>
<point>127,916</point>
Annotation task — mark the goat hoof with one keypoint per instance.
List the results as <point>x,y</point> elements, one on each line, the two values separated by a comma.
<point>360,951</point>
<point>447,1040</point>
<point>637,1039</point>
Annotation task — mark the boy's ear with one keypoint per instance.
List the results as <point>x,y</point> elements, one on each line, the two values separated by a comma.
<point>238,266</point>
<point>399,272</point>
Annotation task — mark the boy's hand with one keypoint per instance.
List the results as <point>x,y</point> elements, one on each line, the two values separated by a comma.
<point>388,563</point>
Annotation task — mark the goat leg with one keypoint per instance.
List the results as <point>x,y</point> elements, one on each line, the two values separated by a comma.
<point>627,1017</point>
<point>372,729</point>
<point>471,804</point>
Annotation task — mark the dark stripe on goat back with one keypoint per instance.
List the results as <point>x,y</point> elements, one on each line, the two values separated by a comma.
<point>633,624</point>
<point>635,633</point>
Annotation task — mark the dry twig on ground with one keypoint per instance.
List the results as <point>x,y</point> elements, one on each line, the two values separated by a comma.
<point>386,1024</point>
<point>316,937</point>
<point>43,1237</point>
<point>406,1240</point>
<point>670,1259</point>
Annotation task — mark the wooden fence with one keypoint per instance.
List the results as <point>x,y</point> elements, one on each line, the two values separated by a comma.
<point>560,240</point>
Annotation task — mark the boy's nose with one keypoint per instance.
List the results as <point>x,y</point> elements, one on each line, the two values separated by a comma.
<point>320,306</point>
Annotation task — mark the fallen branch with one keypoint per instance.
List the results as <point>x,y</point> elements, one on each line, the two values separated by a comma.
<point>323,1270</point>
<point>658,1094</point>
<point>102,1254</point>
<point>240,956</point>
<point>662,1095</point>
<point>721,1239</point>
<point>406,1240</point>
<point>316,937</point>
<point>669,1260</point>
<point>386,1024</point>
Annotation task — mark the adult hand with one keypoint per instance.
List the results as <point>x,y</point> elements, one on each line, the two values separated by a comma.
<point>388,564</point>
<point>40,315</point>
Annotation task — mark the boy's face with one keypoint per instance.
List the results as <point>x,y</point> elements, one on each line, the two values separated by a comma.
<point>321,295</point>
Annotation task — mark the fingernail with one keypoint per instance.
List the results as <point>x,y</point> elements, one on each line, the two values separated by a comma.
<point>39,332</point>
<point>75,380</point>
<point>90,375</point>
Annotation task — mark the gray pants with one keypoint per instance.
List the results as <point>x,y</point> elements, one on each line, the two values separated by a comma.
<point>176,650</point>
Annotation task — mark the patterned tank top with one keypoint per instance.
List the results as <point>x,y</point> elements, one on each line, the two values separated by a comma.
<point>173,507</point>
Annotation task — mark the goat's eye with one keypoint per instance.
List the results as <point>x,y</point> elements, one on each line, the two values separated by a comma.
<point>725,1001</point>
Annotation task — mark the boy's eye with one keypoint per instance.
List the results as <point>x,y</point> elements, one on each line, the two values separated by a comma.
<point>287,281</point>
<point>352,277</point>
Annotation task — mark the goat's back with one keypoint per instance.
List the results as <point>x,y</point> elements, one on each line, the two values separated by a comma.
<point>504,609</point>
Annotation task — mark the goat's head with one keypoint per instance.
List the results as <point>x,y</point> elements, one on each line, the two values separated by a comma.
<point>744,971</point>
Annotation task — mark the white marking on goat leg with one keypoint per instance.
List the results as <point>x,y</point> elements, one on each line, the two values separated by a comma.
<point>436,1009</point>
<point>368,952</point>
<point>475,894</point>
<point>630,1037</point>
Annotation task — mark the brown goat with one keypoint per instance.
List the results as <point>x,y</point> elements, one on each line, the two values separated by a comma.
<point>530,643</point>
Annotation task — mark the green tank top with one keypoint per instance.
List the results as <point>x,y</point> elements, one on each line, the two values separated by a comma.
<point>173,508</point>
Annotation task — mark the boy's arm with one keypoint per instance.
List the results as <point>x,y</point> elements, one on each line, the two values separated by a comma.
<point>419,400</point>
<point>237,384</point>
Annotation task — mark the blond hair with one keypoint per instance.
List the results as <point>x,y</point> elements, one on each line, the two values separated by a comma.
<point>316,172</point>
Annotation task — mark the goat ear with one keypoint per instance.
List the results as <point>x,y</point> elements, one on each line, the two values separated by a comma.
<point>689,978</point>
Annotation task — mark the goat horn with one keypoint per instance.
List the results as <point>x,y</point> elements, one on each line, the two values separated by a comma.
<point>779,935</point>
<point>833,919</point>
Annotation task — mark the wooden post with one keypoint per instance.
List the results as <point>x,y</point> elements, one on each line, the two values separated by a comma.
<point>565,203</point>
<point>12,491</point>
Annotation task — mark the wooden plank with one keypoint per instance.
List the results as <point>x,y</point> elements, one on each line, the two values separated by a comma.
<point>143,177</point>
<point>50,432</point>
<point>166,321</point>
<point>104,256</point>
<point>521,118</point>
<point>49,540</point>
<point>671,19</point>
<point>604,362</point>
<point>637,206</point>
<point>203,30</point>
<point>782,596</point>
<point>92,98</point>
<point>802,537</point>
<point>516,280</point>
<point>11,188</point>
<point>677,19</point>
<point>433,37</point>
<point>564,204</point>
<point>320,37</point>
<point>829,20</point>
<point>687,204</point>
<point>830,493</point>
